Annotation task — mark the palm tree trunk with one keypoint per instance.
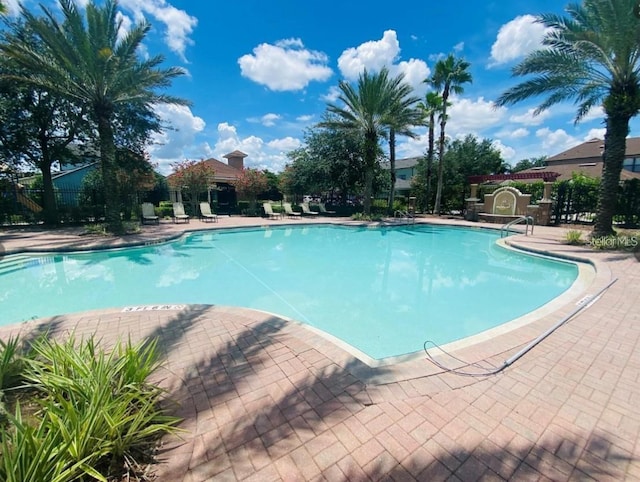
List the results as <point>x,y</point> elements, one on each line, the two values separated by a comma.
<point>430,159</point>
<point>108,160</point>
<point>436,207</point>
<point>613,157</point>
<point>370,151</point>
<point>392,165</point>
<point>443,123</point>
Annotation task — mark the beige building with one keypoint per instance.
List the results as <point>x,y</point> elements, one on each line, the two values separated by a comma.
<point>586,159</point>
<point>223,194</point>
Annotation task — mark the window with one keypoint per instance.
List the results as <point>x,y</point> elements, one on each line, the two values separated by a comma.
<point>631,164</point>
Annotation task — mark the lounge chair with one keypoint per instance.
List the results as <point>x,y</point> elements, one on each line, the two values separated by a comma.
<point>323,210</point>
<point>306,211</point>
<point>268,210</point>
<point>290,212</point>
<point>206,214</point>
<point>149,214</point>
<point>179,214</point>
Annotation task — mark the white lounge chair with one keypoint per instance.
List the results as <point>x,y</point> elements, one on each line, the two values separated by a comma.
<point>179,214</point>
<point>149,214</point>
<point>268,210</point>
<point>323,210</point>
<point>289,211</point>
<point>306,211</point>
<point>206,214</point>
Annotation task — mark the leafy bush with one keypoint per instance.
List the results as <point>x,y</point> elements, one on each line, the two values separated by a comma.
<point>165,209</point>
<point>574,237</point>
<point>365,217</point>
<point>98,414</point>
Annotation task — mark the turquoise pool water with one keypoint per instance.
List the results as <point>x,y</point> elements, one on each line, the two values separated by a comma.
<point>383,290</point>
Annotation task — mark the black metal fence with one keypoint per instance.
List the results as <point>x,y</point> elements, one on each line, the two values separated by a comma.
<point>73,205</point>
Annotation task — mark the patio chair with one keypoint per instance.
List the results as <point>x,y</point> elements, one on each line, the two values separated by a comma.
<point>268,210</point>
<point>289,211</point>
<point>179,214</point>
<point>149,214</point>
<point>206,214</point>
<point>306,211</point>
<point>323,210</point>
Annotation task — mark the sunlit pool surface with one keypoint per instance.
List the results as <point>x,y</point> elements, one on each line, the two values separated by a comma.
<point>382,290</point>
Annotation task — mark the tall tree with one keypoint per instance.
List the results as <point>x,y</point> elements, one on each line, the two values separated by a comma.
<point>193,178</point>
<point>523,164</point>
<point>449,75</point>
<point>403,116</point>
<point>366,111</point>
<point>330,163</point>
<point>591,57</point>
<point>249,184</point>
<point>88,59</point>
<point>431,107</point>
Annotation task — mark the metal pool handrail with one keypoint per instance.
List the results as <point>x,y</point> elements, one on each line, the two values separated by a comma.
<point>527,219</point>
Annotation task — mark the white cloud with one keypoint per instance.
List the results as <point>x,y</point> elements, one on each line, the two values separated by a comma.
<point>529,118</point>
<point>518,133</point>
<point>415,71</point>
<point>459,47</point>
<point>376,54</point>
<point>466,115</point>
<point>595,134</point>
<point>13,6</point>
<point>269,120</point>
<point>174,144</point>
<point>556,141</point>
<point>285,145</point>
<point>332,95</point>
<point>125,26</point>
<point>287,65</point>
<point>179,24</point>
<point>595,113</point>
<point>304,118</point>
<point>516,39</point>
<point>372,55</point>
<point>508,153</point>
<point>260,155</point>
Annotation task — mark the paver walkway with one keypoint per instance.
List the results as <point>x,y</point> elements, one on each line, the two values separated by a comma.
<point>267,399</point>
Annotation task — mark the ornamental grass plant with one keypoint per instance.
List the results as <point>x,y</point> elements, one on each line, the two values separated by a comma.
<point>97,417</point>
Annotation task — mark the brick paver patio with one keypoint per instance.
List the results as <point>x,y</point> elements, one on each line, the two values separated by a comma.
<point>264,398</point>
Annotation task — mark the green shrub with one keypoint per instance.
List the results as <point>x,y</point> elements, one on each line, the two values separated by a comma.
<point>365,217</point>
<point>574,237</point>
<point>165,209</point>
<point>98,414</point>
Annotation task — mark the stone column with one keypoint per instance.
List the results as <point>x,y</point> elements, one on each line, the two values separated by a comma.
<point>544,205</point>
<point>471,213</point>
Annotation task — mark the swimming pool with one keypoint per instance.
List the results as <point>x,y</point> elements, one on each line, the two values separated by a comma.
<point>382,290</point>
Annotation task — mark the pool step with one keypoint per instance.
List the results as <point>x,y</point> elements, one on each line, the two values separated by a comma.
<point>15,263</point>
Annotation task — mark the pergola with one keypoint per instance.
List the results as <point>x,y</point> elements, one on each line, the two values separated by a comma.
<point>516,176</point>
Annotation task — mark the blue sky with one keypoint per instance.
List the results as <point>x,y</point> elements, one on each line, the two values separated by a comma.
<point>259,73</point>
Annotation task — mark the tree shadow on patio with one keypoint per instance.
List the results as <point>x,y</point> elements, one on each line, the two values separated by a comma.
<point>266,389</point>
<point>553,458</point>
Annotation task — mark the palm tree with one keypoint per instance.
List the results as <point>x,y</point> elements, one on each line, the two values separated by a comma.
<point>403,116</point>
<point>87,60</point>
<point>431,106</point>
<point>592,57</point>
<point>448,76</point>
<point>366,112</point>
